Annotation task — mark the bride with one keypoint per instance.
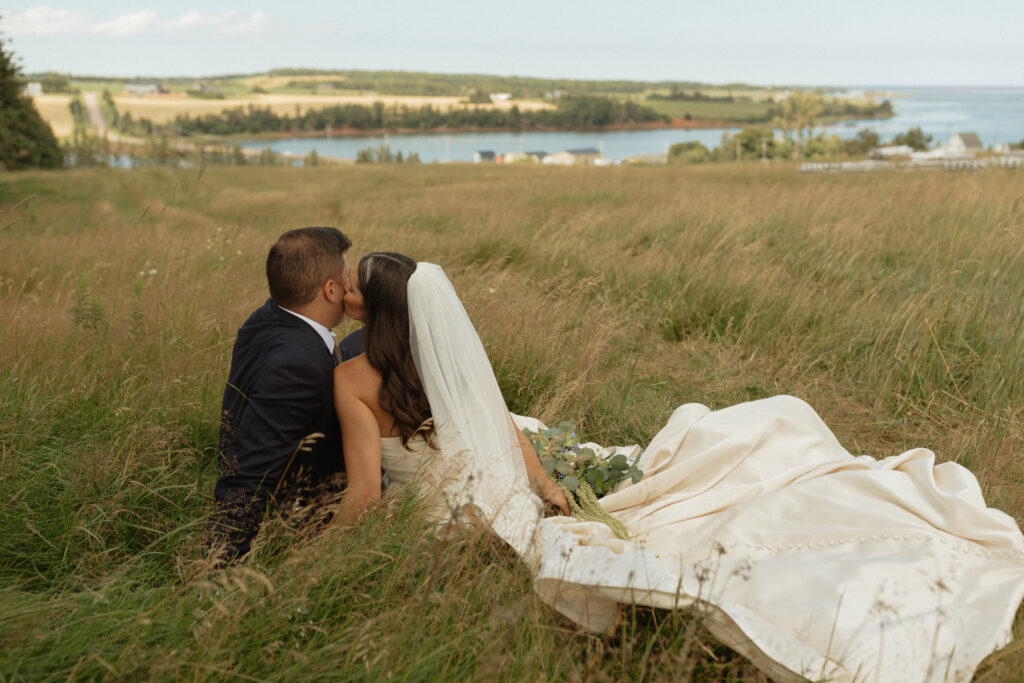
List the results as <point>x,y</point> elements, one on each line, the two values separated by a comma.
<point>811,562</point>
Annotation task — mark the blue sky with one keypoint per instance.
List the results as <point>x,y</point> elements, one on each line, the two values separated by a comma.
<point>872,42</point>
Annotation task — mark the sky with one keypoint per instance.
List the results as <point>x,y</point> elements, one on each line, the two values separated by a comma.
<point>765,42</point>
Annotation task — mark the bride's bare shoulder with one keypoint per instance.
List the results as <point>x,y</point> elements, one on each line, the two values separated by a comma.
<point>357,377</point>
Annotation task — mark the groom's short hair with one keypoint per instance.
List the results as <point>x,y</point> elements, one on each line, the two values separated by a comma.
<point>301,261</point>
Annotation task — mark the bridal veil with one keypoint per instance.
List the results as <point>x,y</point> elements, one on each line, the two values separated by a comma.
<point>479,467</point>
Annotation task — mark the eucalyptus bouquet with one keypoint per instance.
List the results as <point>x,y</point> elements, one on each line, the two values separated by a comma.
<point>582,474</point>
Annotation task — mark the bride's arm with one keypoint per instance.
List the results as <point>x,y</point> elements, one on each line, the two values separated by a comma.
<point>360,440</point>
<point>539,480</point>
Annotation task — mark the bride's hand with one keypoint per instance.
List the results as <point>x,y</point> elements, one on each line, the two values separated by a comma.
<point>539,480</point>
<point>552,495</point>
<point>559,500</point>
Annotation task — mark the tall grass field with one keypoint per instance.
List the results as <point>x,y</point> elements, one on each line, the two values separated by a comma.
<point>892,302</point>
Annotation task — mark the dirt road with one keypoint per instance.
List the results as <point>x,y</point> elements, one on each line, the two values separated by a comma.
<point>92,107</point>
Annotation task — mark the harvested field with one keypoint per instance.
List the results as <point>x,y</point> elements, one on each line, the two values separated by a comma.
<point>54,110</point>
<point>163,108</point>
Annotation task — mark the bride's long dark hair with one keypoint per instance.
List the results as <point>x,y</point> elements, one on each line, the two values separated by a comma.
<point>384,279</point>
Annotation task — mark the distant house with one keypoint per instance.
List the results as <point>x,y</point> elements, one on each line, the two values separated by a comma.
<point>569,157</point>
<point>483,156</point>
<point>33,89</point>
<point>1009,148</point>
<point>140,89</point>
<point>965,143</point>
<point>537,154</point>
<point>517,158</point>
<point>500,96</point>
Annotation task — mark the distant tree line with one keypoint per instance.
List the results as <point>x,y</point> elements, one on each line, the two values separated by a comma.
<point>837,108</point>
<point>461,85</point>
<point>914,138</point>
<point>755,143</point>
<point>571,113</point>
<point>52,82</point>
<point>682,95</point>
<point>384,155</point>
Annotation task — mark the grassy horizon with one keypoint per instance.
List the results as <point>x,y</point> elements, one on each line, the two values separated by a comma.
<point>892,302</point>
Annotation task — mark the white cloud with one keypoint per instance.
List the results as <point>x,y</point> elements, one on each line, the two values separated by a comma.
<point>45,21</point>
<point>126,24</point>
<point>196,19</point>
<point>253,24</point>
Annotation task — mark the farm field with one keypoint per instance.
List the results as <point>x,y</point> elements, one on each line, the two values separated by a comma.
<point>163,108</point>
<point>712,111</point>
<point>891,302</point>
<point>54,110</point>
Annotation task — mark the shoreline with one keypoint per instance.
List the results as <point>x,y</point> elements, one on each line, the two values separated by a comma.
<point>675,124</point>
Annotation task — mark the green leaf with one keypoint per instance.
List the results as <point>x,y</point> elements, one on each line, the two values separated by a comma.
<point>635,474</point>
<point>619,462</point>
<point>562,467</point>
<point>571,483</point>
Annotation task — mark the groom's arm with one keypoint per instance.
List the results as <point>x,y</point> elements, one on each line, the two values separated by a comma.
<point>277,417</point>
<point>352,345</point>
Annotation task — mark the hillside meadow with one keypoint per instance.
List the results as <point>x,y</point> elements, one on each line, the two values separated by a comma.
<point>892,302</point>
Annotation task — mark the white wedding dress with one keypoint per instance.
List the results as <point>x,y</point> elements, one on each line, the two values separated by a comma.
<point>811,562</point>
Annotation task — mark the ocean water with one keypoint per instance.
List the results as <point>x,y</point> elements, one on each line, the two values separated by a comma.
<point>995,114</point>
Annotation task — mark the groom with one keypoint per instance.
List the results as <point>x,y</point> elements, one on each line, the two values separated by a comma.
<point>279,433</point>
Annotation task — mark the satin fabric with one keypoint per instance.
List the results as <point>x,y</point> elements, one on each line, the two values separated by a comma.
<point>811,562</point>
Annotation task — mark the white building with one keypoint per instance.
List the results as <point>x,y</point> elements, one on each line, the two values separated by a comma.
<point>500,96</point>
<point>33,89</point>
<point>1008,148</point>
<point>569,157</point>
<point>140,89</point>
<point>965,143</point>
<point>891,151</point>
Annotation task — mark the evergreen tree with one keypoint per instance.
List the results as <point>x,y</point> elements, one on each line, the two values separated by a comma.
<point>25,139</point>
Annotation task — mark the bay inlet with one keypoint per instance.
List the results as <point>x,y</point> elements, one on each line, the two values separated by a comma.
<point>995,114</point>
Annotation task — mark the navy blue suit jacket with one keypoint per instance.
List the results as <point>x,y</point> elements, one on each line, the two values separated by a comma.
<point>280,390</point>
